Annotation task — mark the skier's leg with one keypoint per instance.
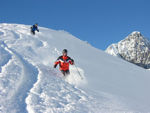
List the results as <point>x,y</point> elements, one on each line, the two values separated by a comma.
<point>33,32</point>
<point>67,72</point>
<point>63,72</point>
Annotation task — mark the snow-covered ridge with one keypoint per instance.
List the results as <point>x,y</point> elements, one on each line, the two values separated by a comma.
<point>135,48</point>
<point>29,84</point>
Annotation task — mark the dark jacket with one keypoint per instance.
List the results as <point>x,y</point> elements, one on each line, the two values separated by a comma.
<point>34,28</point>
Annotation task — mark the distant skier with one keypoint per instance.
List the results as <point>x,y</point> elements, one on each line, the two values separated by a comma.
<point>64,62</point>
<point>34,28</point>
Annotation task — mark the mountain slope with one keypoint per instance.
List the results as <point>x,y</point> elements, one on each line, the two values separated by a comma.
<point>135,48</point>
<point>28,82</point>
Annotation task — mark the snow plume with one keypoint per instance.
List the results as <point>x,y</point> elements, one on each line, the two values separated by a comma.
<point>98,82</point>
<point>76,76</point>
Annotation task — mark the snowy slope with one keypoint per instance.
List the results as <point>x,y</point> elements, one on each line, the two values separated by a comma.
<point>29,84</point>
<point>135,48</point>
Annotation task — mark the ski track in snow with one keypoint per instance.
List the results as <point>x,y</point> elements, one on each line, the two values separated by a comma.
<point>28,78</point>
<point>16,97</point>
<point>5,56</point>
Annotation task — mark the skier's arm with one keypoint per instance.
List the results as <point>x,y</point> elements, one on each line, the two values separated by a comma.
<point>71,61</point>
<point>56,63</point>
<point>37,29</point>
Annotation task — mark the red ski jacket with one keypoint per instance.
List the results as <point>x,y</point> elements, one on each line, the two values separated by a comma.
<point>64,62</point>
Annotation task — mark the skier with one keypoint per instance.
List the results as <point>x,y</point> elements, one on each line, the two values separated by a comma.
<point>34,28</point>
<point>64,62</point>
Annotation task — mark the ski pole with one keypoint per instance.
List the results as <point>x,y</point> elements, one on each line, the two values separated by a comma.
<point>78,72</point>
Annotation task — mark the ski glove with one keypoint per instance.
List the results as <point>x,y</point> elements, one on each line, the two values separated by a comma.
<point>72,61</point>
<point>55,65</point>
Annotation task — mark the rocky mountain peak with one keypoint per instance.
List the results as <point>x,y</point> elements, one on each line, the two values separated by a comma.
<point>134,48</point>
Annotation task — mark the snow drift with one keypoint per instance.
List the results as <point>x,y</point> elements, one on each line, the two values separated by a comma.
<point>29,84</point>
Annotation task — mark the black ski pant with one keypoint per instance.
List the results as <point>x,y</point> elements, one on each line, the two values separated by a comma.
<point>65,72</point>
<point>33,32</point>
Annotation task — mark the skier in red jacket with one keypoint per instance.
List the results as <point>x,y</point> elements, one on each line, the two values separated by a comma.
<point>64,62</point>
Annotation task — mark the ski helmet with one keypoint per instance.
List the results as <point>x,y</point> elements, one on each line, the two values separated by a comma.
<point>65,51</point>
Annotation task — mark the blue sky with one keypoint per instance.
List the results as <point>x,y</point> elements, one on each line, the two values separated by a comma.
<point>100,22</point>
